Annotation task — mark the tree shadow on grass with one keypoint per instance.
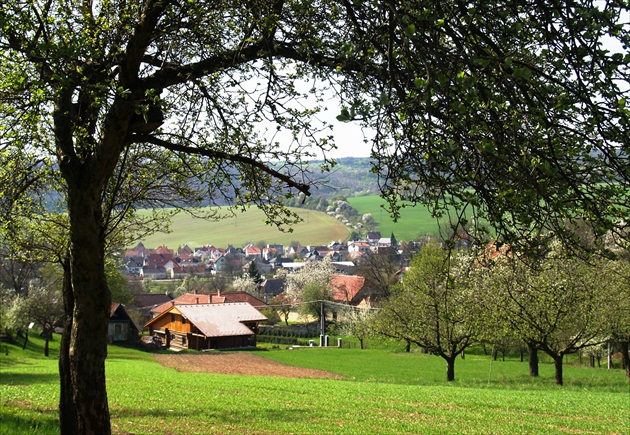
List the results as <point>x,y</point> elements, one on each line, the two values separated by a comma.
<point>18,420</point>
<point>176,421</point>
<point>12,378</point>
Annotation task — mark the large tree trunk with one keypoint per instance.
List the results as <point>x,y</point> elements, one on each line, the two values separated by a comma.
<point>67,419</point>
<point>557,362</point>
<point>533,360</point>
<point>88,339</point>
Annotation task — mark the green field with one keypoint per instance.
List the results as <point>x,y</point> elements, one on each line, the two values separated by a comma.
<point>316,228</point>
<point>413,222</point>
<point>384,392</point>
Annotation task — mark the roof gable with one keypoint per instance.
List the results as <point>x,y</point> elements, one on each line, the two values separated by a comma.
<point>117,312</point>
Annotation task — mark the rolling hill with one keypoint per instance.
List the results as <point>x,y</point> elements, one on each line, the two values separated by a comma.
<point>317,228</point>
<point>413,222</point>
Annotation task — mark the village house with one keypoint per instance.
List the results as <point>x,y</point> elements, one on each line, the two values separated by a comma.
<point>351,290</point>
<point>250,252</point>
<point>373,237</point>
<point>272,288</point>
<point>361,247</point>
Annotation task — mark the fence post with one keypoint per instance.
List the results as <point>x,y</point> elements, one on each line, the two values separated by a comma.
<point>339,343</point>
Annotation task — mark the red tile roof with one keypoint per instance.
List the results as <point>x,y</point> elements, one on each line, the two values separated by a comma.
<point>346,287</point>
<point>211,298</point>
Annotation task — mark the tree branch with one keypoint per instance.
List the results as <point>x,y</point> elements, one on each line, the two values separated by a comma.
<point>302,187</point>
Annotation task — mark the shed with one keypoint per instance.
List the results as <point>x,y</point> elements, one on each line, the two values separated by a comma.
<point>121,328</point>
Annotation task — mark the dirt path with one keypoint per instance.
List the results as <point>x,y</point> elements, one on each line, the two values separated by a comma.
<point>242,363</point>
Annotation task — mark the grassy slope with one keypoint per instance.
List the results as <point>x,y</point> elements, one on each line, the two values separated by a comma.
<point>316,228</point>
<point>414,221</point>
<point>386,393</point>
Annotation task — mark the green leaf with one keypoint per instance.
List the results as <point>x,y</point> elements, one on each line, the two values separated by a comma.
<point>344,116</point>
<point>410,30</point>
<point>419,82</point>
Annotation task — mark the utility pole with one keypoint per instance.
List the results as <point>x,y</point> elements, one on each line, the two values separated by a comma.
<point>322,318</point>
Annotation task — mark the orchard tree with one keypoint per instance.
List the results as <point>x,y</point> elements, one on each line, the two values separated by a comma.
<point>88,85</point>
<point>357,322</point>
<point>488,106</point>
<point>309,288</point>
<point>313,272</point>
<point>434,306</point>
<point>617,308</point>
<point>44,307</point>
<point>8,319</point>
<point>557,306</point>
<point>313,301</point>
<point>190,284</point>
<point>16,270</point>
<point>284,305</point>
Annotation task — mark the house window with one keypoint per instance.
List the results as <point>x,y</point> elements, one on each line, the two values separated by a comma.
<point>118,328</point>
<point>172,317</point>
<point>184,321</point>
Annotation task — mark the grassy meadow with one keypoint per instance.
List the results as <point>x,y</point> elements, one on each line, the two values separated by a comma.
<point>248,227</point>
<point>384,392</point>
<point>413,222</point>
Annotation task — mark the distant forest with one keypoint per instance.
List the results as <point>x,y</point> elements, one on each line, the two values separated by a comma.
<point>350,177</point>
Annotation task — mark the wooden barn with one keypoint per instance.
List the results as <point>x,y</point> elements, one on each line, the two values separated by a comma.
<point>207,326</point>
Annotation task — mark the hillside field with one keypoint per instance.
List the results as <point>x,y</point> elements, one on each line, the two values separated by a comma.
<point>317,228</point>
<point>413,222</point>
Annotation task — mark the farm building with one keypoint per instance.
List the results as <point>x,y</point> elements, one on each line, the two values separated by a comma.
<point>121,328</point>
<point>207,326</point>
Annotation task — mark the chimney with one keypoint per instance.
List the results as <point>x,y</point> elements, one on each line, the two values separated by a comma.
<point>218,292</point>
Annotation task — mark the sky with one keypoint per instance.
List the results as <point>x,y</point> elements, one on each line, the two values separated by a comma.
<point>349,138</point>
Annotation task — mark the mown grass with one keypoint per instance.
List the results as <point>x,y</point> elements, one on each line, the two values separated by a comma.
<point>384,392</point>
